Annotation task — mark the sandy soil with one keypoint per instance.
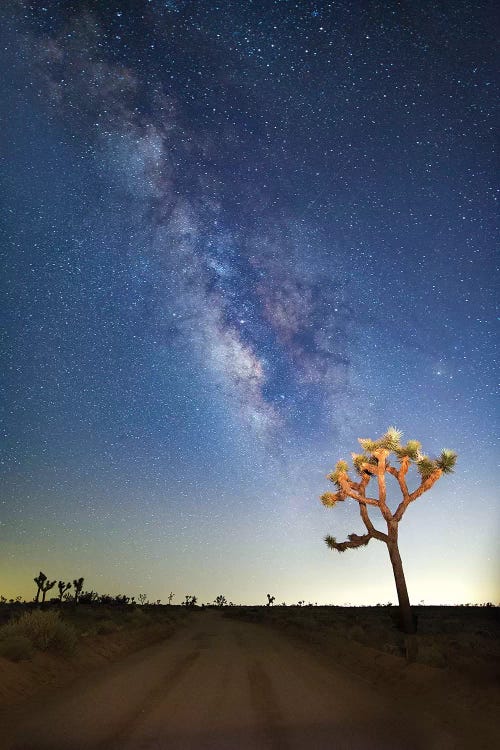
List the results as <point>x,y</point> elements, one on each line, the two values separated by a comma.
<point>224,684</point>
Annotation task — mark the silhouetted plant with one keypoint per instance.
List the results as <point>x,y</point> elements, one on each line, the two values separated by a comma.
<point>46,586</point>
<point>88,597</point>
<point>170,597</point>
<point>221,600</point>
<point>63,587</point>
<point>121,599</point>
<point>78,586</point>
<point>374,463</point>
<point>270,600</point>
<point>39,580</point>
<point>190,601</point>
<point>142,599</point>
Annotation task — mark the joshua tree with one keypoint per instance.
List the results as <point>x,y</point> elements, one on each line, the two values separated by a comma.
<point>46,586</point>
<point>373,463</point>
<point>270,600</point>
<point>78,586</point>
<point>63,587</point>
<point>190,600</point>
<point>221,600</point>
<point>39,580</point>
<point>170,597</point>
<point>142,598</point>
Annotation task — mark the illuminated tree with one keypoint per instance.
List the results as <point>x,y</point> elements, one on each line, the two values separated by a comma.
<point>374,463</point>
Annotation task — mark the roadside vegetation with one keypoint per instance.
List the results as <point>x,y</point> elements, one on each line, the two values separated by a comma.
<point>76,616</point>
<point>461,638</point>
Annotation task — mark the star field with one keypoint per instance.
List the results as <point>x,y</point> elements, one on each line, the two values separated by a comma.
<point>237,237</point>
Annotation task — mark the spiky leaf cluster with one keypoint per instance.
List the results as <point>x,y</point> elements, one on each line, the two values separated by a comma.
<point>410,450</point>
<point>358,459</point>
<point>354,541</point>
<point>446,461</point>
<point>425,466</point>
<point>330,499</point>
<point>340,468</point>
<point>390,441</point>
<point>368,445</point>
<point>332,543</point>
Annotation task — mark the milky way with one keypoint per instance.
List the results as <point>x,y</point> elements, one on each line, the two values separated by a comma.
<point>239,236</point>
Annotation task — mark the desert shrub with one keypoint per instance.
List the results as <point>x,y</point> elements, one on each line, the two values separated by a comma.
<point>44,630</point>
<point>16,648</point>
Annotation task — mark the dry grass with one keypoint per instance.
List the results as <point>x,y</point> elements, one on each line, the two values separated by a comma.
<point>44,630</point>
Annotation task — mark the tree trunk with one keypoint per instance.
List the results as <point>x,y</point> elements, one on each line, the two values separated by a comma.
<point>407,620</point>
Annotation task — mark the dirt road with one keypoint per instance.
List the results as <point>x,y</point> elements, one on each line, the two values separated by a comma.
<point>220,684</point>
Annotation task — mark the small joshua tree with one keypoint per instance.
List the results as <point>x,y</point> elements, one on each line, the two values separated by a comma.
<point>270,600</point>
<point>373,463</point>
<point>78,586</point>
<point>142,599</point>
<point>39,580</point>
<point>63,587</point>
<point>221,601</point>
<point>46,586</point>
<point>170,597</point>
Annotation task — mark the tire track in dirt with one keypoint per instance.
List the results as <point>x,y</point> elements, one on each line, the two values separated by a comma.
<point>265,703</point>
<point>150,701</point>
<point>219,685</point>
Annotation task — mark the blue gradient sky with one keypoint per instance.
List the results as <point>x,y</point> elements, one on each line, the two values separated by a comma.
<point>237,238</point>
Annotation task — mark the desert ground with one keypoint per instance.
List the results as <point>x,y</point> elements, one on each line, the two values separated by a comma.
<point>253,678</point>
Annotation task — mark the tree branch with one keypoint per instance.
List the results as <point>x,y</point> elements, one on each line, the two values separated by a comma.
<point>425,485</point>
<point>369,526</point>
<point>401,474</point>
<point>354,541</point>
<point>381,456</point>
<point>347,487</point>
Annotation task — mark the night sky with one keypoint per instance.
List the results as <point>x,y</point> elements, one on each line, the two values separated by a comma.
<point>236,237</point>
